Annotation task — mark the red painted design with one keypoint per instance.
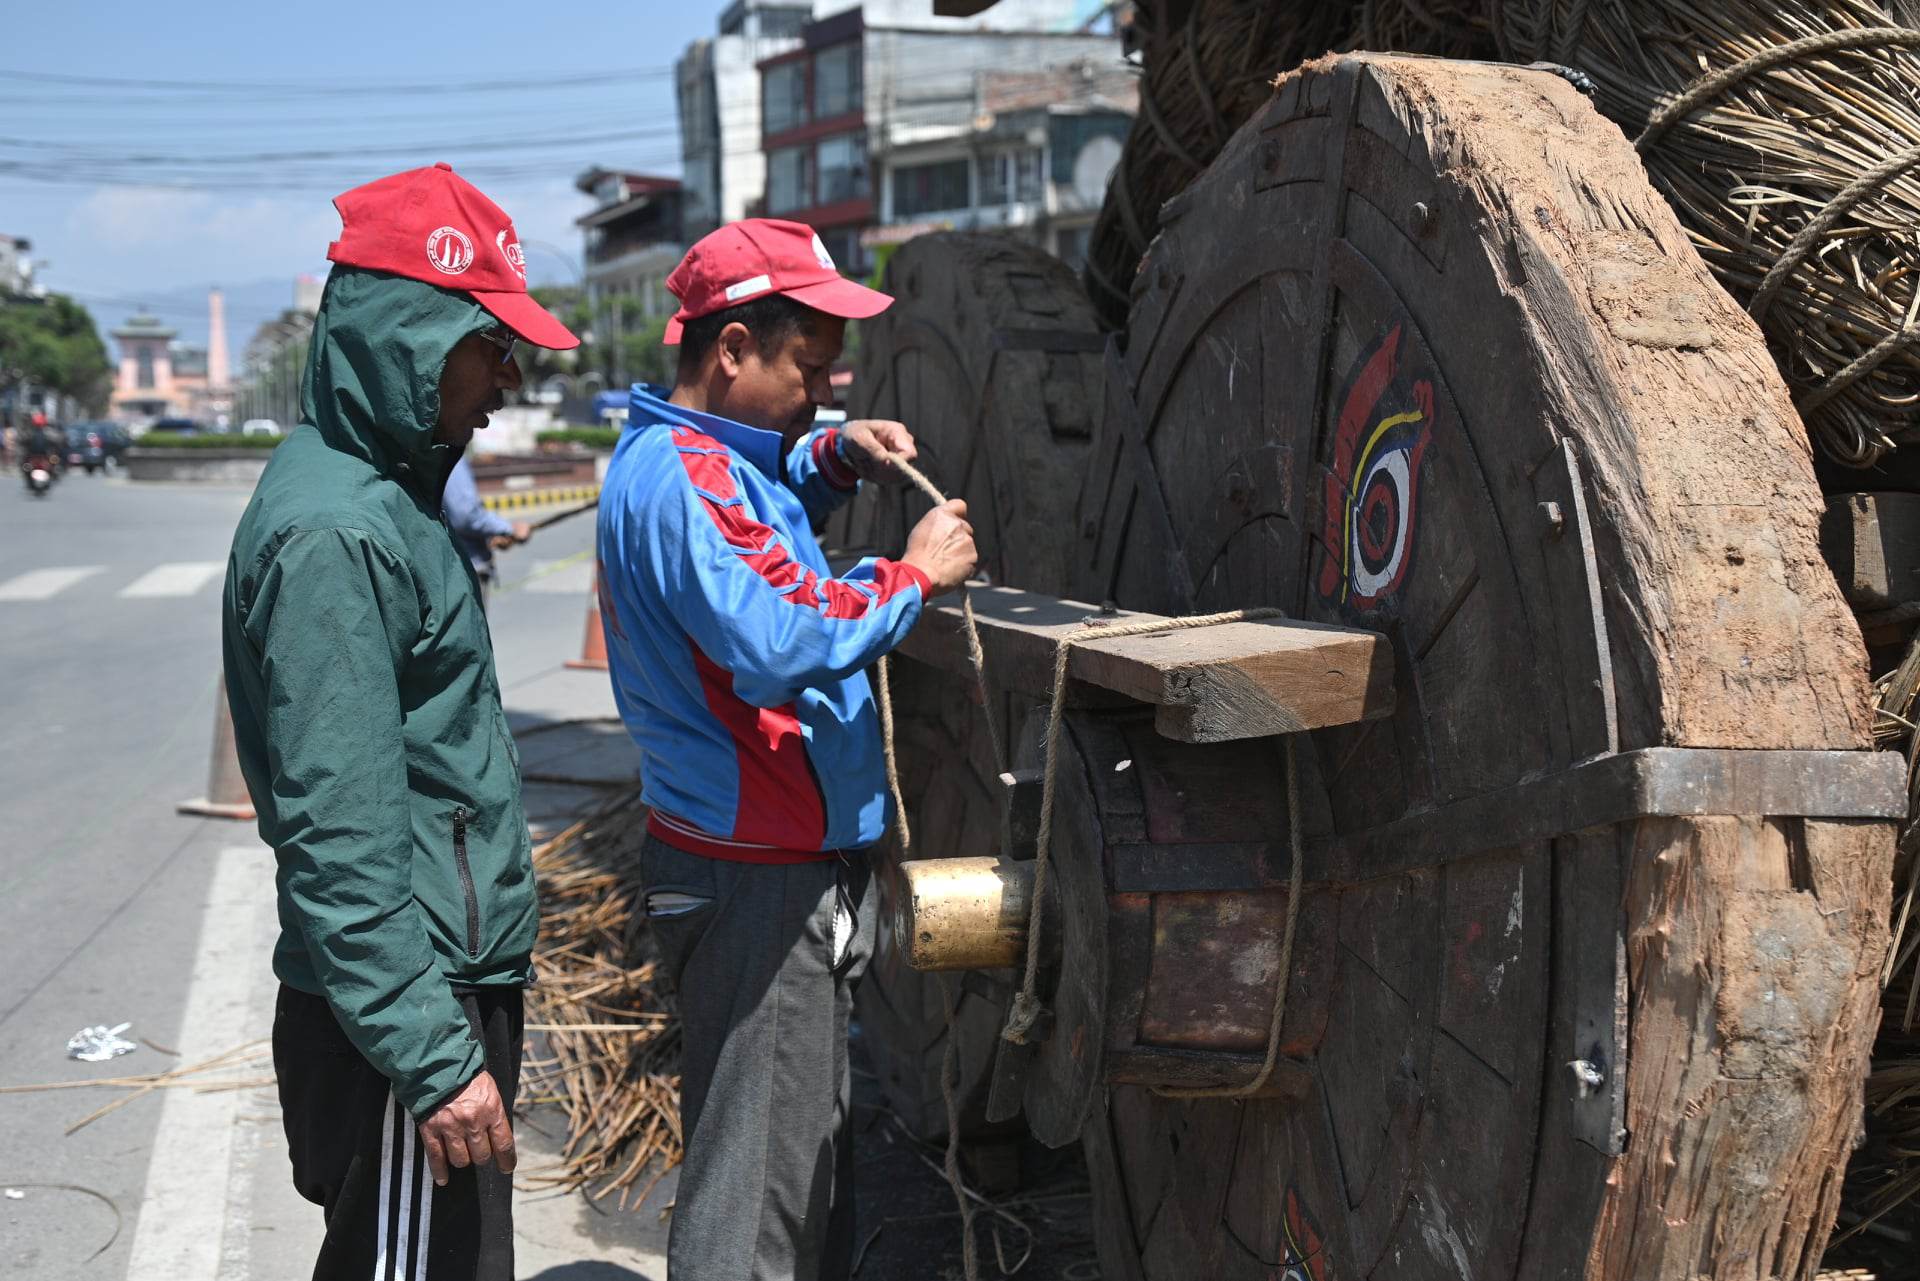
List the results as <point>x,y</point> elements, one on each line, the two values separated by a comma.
<point>1304,1252</point>
<point>1372,483</point>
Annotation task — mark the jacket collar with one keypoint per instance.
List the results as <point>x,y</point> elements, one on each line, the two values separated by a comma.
<point>649,406</point>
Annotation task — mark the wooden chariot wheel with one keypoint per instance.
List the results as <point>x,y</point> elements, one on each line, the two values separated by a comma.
<point>990,354</point>
<point>1585,973</point>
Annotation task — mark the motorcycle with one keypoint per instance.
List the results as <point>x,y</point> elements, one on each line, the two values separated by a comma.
<point>38,469</point>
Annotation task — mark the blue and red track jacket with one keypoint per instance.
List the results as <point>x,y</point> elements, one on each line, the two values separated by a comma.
<point>738,661</point>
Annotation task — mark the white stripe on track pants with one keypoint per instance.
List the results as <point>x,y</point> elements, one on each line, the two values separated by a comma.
<point>356,1153</point>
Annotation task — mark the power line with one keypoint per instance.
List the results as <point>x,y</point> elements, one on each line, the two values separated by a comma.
<point>517,81</point>
<point>80,154</point>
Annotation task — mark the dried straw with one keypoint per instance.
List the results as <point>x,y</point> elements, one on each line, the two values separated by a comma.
<point>1881,1199</point>
<point>611,1037</point>
<point>1794,163</point>
<point>1207,66</point>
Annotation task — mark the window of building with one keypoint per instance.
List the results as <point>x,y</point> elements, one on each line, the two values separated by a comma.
<point>776,24</point>
<point>785,102</point>
<point>144,357</point>
<point>843,168</point>
<point>923,189</point>
<point>836,81</point>
<point>1009,176</point>
<point>789,179</point>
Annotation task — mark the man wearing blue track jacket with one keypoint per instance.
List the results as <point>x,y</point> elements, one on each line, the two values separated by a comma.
<point>739,665</point>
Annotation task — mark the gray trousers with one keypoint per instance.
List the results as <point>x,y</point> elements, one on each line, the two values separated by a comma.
<point>764,958</point>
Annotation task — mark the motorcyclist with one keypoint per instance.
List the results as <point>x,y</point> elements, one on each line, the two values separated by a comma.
<point>41,444</point>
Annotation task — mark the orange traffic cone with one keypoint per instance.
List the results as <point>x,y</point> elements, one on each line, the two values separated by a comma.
<point>593,646</point>
<point>227,795</point>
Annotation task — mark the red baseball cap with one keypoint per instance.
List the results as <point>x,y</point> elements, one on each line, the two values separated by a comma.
<point>755,256</point>
<point>433,225</point>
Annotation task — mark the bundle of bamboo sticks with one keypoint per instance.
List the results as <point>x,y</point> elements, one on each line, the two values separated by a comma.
<point>604,1037</point>
<point>1787,138</point>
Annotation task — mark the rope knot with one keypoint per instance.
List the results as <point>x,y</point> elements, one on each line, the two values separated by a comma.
<point>1021,1017</point>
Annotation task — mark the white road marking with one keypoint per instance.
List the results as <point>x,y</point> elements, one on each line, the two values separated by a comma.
<point>180,579</point>
<point>567,576</point>
<point>40,584</point>
<point>182,1219</point>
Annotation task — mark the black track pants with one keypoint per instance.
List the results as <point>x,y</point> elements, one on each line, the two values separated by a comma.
<point>356,1154</point>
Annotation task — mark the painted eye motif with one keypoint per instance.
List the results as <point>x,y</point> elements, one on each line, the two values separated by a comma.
<point>1380,507</point>
<point>1373,483</point>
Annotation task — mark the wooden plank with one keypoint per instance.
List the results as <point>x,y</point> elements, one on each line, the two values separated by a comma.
<point>1872,542</point>
<point>1656,781</point>
<point>1213,684</point>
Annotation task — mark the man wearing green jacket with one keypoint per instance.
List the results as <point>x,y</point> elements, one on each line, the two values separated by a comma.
<point>368,719</point>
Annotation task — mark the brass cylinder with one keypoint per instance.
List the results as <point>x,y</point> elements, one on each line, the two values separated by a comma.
<point>963,913</point>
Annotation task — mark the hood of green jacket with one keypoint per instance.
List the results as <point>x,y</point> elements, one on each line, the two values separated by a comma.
<point>379,345</point>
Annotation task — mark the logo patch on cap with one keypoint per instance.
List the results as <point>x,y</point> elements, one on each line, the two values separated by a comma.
<point>744,288</point>
<point>449,250</point>
<point>820,252</point>
<point>510,250</point>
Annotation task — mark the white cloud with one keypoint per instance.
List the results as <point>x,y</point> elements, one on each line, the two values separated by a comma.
<point>147,237</point>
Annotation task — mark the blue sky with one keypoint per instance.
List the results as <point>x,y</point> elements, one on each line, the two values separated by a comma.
<point>367,79</point>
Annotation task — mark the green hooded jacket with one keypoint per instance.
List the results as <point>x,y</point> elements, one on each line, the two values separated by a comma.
<point>365,706</point>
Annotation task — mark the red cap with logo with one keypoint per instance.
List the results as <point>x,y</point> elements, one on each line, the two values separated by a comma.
<point>433,225</point>
<point>756,256</point>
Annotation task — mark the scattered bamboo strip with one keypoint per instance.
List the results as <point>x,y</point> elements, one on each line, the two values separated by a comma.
<point>1785,136</point>
<point>241,1056</point>
<point>612,1037</point>
<point>1881,1197</point>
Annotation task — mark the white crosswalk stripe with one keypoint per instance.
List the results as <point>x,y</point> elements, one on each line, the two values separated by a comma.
<point>41,584</point>
<point>180,579</point>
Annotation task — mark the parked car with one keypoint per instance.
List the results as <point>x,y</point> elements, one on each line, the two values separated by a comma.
<point>179,427</point>
<point>85,447</point>
<point>116,440</point>
<point>260,427</point>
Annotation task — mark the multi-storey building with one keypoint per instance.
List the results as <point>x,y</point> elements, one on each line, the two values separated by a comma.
<point>1033,162</point>
<point>847,117</point>
<point>16,269</point>
<point>633,240</point>
<point>718,87</point>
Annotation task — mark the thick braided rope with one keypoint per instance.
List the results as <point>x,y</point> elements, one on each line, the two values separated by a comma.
<point>1025,1010</point>
<point>1710,87</point>
<point>1803,240</point>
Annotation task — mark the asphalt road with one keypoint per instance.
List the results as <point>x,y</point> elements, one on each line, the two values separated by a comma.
<point>113,908</point>
<point>109,641</point>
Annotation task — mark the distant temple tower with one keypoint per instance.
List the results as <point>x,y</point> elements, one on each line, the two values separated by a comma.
<point>145,387</point>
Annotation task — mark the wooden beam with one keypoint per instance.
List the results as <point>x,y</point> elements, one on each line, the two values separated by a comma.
<point>1212,684</point>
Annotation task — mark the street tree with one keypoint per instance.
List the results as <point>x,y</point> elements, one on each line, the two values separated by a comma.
<point>51,343</point>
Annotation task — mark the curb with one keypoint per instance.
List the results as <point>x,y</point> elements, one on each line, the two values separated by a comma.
<point>540,497</point>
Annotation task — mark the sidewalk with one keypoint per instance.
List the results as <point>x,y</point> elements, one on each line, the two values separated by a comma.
<point>218,1203</point>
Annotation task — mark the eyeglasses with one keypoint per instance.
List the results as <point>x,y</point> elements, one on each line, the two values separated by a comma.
<point>503,339</point>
